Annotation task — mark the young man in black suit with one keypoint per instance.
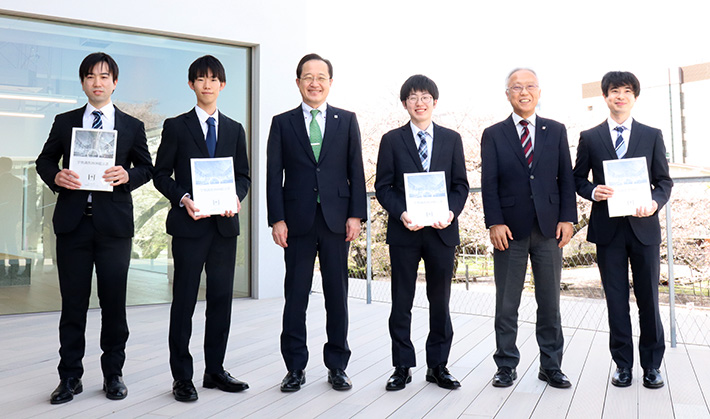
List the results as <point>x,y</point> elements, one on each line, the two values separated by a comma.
<point>94,229</point>
<point>530,208</point>
<point>315,195</point>
<point>417,147</point>
<point>620,240</point>
<point>201,241</point>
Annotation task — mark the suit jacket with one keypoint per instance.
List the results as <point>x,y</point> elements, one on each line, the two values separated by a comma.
<point>294,179</point>
<point>595,146</point>
<point>183,139</point>
<point>516,195</point>
<point>112,211</point>
<point>398,155</point>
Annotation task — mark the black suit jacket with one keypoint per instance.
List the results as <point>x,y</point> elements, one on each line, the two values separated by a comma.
<point>294,179</point>
<point>183,139</point>
<point>398,155</point>
<point>595,146</point>
<point>516,195</point>
<point>113,211</point>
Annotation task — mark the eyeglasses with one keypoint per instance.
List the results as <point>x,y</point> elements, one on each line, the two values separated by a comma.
<point>519,88</point>
<point>310,79</point>
<point>426,99</point>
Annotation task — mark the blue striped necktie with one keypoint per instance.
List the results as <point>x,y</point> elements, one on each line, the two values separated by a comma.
<point>620,144</point>
<point>97,124</point>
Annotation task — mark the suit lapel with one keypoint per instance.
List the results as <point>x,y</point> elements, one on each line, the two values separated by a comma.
<point>605,138</point>
<point>223,136</point>
<point>332,121</point>
<point>634,139</point>
<point>77,118</point>
<point>511,135</point>
<point>540,141</point>
<point>193,126</point>
<point>410,145</point>
<point>299,129</point>
<point>437,151</point>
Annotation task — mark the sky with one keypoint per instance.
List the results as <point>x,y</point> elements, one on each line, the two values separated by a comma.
<point>468,48</point>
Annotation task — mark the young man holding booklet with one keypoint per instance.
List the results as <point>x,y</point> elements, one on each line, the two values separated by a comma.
<point>94,228</point>
<point>635,238</point>
<point>418,147</point>
<point>200,240</point>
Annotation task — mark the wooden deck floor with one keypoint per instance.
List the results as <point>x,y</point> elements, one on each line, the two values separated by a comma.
<point>28,358</point>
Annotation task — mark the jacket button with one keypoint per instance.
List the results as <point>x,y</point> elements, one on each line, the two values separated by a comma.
<point>317,169</point>
<point>315,189</point>
<point>532,177</point>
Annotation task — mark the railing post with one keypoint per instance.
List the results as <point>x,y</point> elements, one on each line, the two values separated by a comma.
<point>671,277</point>
<point>369,252</point>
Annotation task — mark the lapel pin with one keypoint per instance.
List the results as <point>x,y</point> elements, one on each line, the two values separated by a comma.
<point>543,127</point>
<point>335,116</point>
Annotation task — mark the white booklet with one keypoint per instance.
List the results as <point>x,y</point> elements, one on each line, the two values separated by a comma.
<point>92,152</point>
<point>629,178</point>
<point>426,198</point>
<point>213,188</point>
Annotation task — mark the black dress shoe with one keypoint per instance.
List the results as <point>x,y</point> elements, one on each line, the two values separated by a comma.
<point>339,380</point>
<point>442,377</point>
<point>652,378</point>
<point>293,381</point>
<point>399,379</point>
<point>504,377</point>
<point>184,391</point>
<point>622,377</point>
<point>66,390</point>
<point>224,381</point>
<point>115,388</point>
<point>555,378</point>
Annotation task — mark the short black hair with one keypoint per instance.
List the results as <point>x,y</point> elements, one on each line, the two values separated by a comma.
<point>418,83</point>
<point>91,60</point>
<point>202,67</point>
<point>309,57</point>
<point>614,79</point>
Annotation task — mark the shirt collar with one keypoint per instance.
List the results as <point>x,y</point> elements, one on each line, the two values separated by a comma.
<point>517,118</point>
<point>202,115</point>
<point>415,129</point>
<point>307,108</point>
<point>108,110</point>
<point>626,124</point>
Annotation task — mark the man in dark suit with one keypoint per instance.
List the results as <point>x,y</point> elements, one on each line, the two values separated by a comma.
<point>315,193</point>
<point>94,228</point>
<point>634,238</point>
<point>201,241</point>
<point>417,147</point>
<point>529,207</point>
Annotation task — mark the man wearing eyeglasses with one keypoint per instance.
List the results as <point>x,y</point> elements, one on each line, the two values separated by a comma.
<point>421,146</point>
<point>315,193</point>
<point>529,206</point>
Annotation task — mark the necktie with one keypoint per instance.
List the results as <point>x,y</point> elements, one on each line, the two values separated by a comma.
<point>97,124</point>
<point>620,144</point>
<point>315,135</point>
<point>211,139</point>
<point>423,152</point>
<point>527,143</point>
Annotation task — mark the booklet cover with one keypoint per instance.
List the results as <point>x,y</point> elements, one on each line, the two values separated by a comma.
<point>92,152</point>
<point>632,189</point>
<point>426,197</point>
<point>213,188</point>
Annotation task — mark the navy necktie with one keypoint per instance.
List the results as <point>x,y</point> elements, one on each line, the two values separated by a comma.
<point>423,152</point>
<point>211,139</point>
<point>97,124</point>
<point>527,143</point>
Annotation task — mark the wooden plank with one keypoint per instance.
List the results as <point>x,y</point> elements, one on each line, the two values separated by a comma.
<point>590,390</point>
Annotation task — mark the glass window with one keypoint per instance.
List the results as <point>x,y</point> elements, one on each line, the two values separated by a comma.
<point>39,78</point>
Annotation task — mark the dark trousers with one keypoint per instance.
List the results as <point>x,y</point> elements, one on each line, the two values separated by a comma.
<point>613,260</point>
<point>509,272</point>
<point>77,254</point>
<point>216,254</point>
<point>332,250</point>
<point>439,265</point>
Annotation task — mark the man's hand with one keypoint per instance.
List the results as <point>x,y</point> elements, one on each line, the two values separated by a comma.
<point>440,225</point>
<point>116,175</point>
<point>603,192</point>
<point>564,233</point>
<point>67,179</point>
<point>279,231</point>
<point>647,211</point>
<point>352,229</point>
<point>408,222</point>
<point>229,213</point>
<point>500,234</point>
<point>189,205</point>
